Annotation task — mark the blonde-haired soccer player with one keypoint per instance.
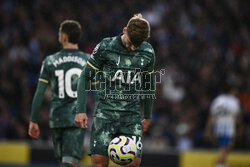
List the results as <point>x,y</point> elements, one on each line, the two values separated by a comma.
<point>125,64</point>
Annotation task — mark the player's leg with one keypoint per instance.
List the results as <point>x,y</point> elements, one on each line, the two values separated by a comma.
<point>223,151</point>
<point>134,131</point>
<point>224,143</point>
<point>102,133</point>
<point>72,147</point>
<point>99,160</point>
<point>56,134</point>
<point>68,164</point>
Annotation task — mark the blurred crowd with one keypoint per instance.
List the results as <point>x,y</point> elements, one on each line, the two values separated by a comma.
<point>203,46</point>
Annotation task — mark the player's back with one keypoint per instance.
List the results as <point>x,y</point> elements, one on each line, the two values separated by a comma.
<point>62,71</point>
<point>225,109</point>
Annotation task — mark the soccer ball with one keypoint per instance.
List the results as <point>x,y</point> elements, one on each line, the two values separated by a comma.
<point>122,150</point>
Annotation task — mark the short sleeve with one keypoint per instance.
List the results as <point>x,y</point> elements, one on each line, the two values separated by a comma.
<point>96,60</point>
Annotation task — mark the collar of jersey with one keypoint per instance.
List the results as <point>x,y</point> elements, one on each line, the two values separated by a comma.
<point>69,50</point>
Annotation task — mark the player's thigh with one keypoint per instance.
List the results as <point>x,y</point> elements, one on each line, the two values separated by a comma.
<point>134,131</point>
<point>102,133</point>
<point>56,134</point>
<point>72,143</point>
<point>224,142</point>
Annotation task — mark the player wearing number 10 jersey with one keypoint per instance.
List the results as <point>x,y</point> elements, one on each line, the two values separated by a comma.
<point>61,72</point>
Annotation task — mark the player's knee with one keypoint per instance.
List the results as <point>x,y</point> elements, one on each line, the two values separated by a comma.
<point>69,161</point>
<point>68,164</point>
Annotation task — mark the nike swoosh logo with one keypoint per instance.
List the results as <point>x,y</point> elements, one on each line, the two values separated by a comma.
<point>118,61</point>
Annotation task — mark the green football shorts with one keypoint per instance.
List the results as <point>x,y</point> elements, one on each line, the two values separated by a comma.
<point>104,130</point>
<point>68,143</point>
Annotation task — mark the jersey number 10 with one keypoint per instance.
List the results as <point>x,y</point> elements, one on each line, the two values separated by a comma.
<point>65,83</point>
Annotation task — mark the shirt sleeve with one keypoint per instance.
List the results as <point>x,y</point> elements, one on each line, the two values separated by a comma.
<point>44,73</point>
<point>37,101</point>
<point>88,56</point>
<point>150,67</point>
<point>148,89</point>
<point>39,94</point>
<point>87,74</point>
<point>96,60</point>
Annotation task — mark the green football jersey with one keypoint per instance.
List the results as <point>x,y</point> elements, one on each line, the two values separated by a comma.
<point>120,73</point>
<point>61,71</point>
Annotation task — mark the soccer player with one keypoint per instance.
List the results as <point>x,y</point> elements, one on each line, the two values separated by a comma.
<point>61,72</point>
<point>223,121</point>
<point>125,65</point>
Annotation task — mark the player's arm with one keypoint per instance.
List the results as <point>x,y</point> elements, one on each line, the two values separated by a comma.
<point>148,100</point>
<point>209,127</point>
<point>36,106</point>
<point>83,85</point>
<point>239,129</point>
<point>239,125</point>
<point>38,100</point>
<point>148,91</point>
<point>208,133</point>
<point>94,64</point>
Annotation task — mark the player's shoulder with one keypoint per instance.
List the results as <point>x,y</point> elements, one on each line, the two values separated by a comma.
<point>233,99</point>
<point>81,52</point>
<point>147,50</point>
<point>146,47</point>
<point>220,98</point>
<point>108,39</point>
<point>50,58</point>
<point>226,98</point>
<point>83,55</point>
<point>54,55</point>
<point>108,42</point>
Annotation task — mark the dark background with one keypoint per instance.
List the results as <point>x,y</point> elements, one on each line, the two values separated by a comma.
<point>202,45</point>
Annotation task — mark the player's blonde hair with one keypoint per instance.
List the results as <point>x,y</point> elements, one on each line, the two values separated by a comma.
<point>138,29</point>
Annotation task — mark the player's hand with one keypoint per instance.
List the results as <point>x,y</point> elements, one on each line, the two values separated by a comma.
<point>34,131</point>
<point>81,120</point>
<point>145,124</point>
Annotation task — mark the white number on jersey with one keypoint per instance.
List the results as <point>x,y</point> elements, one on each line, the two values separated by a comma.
<point>138,143</point>
<point>64,83</point>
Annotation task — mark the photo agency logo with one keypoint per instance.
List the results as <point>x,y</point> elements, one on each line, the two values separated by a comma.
<point>126,84</point>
